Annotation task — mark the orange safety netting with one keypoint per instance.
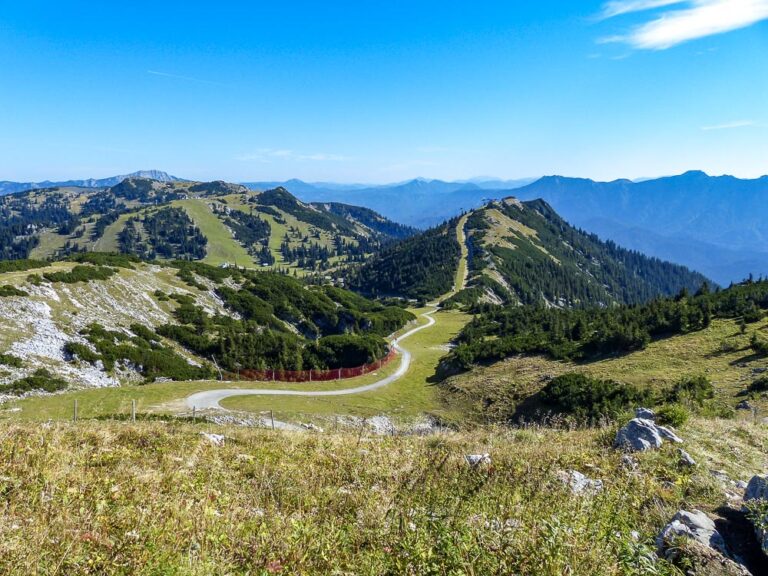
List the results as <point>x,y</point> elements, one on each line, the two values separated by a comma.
<point>313,375</point>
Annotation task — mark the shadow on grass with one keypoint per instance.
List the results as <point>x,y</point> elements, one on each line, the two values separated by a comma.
<point>739,536</point>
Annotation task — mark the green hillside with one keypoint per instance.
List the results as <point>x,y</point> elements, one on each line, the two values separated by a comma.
<point>225,224</point>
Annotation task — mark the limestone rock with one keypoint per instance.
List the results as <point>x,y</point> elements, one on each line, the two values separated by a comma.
<point>645,414</point>
<point>641,434</point>
<point>579,483</point>
<point>685,458</point>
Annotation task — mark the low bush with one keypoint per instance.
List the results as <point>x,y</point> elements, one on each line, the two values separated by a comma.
<point>759,345</point>
<point>7,290</point>
<point>693,389</point>
<point>80,273</point>
<point>759,385</point>
<point>40,379</point>
<point>106,259</point>
<point>589,398</point>
<point>150,358</point>
<point>21,265</point>
<point>672,415</point>
<point>35,279</point>
<point>11,360</point>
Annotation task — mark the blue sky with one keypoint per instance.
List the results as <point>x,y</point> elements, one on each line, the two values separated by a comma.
<point>385,91</point>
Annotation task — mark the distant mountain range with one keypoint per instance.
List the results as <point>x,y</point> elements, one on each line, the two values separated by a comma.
<point>7,187</point>
<point>715,224</point>
<point>420,202</point>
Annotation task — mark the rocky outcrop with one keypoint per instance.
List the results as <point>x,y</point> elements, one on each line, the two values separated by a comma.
<point>645,414</point>
<point>642,434</point>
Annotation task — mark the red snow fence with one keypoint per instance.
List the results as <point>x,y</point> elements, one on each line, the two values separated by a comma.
<point>313,375</point>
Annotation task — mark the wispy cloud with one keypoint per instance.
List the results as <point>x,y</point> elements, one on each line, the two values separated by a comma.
<point>185,78</point>
<point>700,18</point>
<point>619,7</point>
<point>269,155</point>
<point>729,125</point>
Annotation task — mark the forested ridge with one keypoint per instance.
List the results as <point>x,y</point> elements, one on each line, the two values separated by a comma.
<point>149,222</point>
<point>524,253</point>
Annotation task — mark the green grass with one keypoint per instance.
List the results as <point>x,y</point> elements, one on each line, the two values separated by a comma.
<point>157,498</point>
<point>165,397</point>
<point>222,247</point>
<point>50,242</point>
<point>109,240</point>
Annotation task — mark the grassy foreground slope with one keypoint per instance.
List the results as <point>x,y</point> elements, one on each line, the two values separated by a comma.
<point>157,498</point>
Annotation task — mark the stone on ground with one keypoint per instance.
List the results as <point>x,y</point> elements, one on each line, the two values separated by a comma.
<point>641,434</point>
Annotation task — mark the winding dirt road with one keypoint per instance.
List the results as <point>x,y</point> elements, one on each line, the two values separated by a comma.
<point>209,400</point>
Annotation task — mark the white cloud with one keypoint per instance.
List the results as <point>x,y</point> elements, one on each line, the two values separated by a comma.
<point>729,125</point>
<point>268,155</point>
<point>700,19</point>
<point>617,8</point>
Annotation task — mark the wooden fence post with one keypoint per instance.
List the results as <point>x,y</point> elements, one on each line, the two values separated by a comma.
<point>272,418</point>
<point>74,413</point>
<point>133,411</point>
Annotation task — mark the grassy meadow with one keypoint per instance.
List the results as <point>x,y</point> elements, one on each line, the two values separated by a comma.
<point>160,498</point>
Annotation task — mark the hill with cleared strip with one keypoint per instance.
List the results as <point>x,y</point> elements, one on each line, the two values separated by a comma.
<point>524,253</point>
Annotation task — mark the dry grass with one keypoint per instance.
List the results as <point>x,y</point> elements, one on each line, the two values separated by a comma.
<point>154,498</point>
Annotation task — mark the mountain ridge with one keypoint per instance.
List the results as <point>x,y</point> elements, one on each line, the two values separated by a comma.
<point>8,187</point>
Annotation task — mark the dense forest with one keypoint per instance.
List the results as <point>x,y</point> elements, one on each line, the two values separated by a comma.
<point>584,334</point>
<point>282,324</point>
<point>167,233</point>
<point>21,219</point>
<point>420,267</point>
<point>373,220</point>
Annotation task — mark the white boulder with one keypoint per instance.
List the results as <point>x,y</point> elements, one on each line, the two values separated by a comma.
<point>641,434</point>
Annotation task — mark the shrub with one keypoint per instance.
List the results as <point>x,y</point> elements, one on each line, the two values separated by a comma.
<point>80,351</point>
<point>11,360</point>
<point>161,296</point>
<point>759,346</point>
<point>672,415</point>
<point>694,389</point>
<point>759,385</point>
<point>106,259</point>
<point>8,290</point>
<point>590,398</point>
<point>80,273</point>
<point>41,379</point>
<point>21,265</point>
